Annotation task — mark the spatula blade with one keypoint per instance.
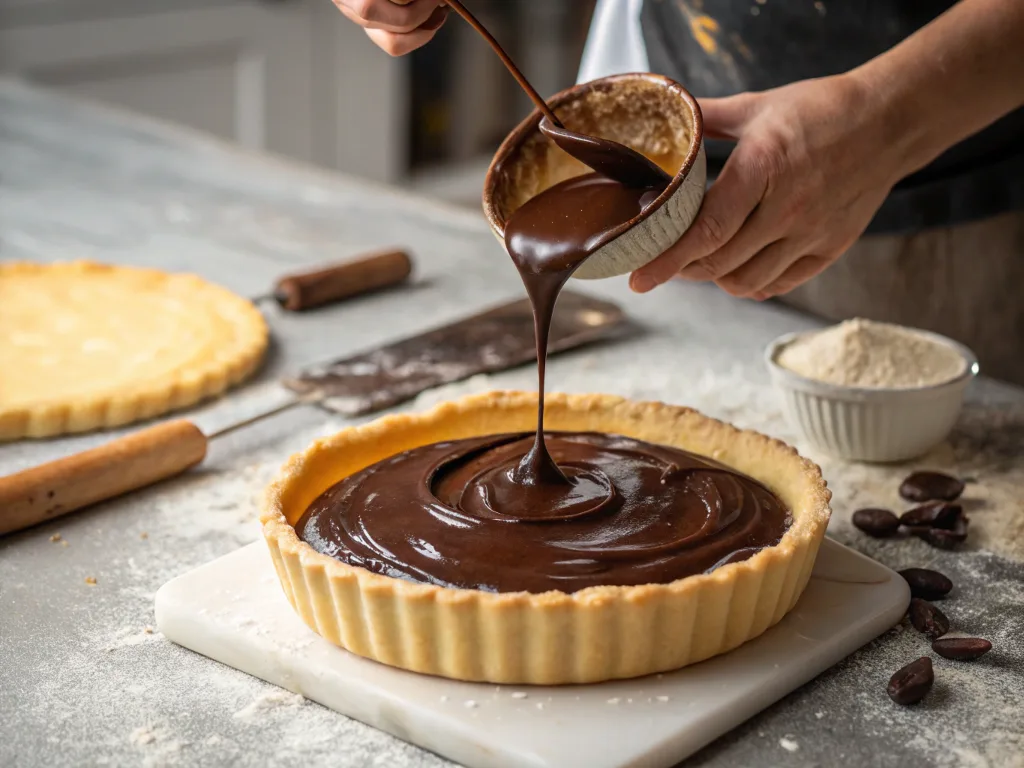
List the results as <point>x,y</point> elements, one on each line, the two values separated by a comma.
<point>494,340</point>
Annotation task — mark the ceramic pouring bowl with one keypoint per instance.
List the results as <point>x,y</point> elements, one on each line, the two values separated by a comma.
<point>648,113</point>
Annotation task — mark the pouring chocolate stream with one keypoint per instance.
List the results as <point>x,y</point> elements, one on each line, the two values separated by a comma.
<point>550,236</point>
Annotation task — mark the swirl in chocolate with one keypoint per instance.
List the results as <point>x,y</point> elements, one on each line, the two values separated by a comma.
<point>453,515</point>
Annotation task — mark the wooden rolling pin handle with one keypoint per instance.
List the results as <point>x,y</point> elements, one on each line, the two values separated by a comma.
<point>142,458</point>
<point>341,281</point>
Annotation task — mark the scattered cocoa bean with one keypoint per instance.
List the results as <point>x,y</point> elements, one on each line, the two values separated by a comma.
<point>928,486</point>
<point>947,539</point>
<point>880,523</point>
<point>949,517</point>
<point>926,584</point>
<point>910,684</point>
<point>934,514</point>
<point>928,619</point>
<point>961,648</point>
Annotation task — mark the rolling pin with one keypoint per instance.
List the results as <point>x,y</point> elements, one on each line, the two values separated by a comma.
<point>343,280</point>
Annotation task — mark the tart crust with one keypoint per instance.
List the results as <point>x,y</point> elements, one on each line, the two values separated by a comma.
<point>598,633</point>
<point>92,345</point>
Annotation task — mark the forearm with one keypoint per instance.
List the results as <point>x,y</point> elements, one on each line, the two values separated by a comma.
<point>949,80</point>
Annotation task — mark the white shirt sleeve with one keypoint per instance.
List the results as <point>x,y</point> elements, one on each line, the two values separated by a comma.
<point>615,43</point>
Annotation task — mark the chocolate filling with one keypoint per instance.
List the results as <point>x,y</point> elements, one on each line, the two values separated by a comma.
<point>453,514</point>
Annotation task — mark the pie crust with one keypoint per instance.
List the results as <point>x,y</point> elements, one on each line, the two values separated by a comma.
<point>598,633</point>
<point>88,345</point>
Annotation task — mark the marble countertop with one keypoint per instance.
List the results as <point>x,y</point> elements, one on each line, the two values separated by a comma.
<point>85,680</point>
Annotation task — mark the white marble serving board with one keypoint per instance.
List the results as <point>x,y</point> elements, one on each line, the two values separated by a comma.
<point>233,610</point>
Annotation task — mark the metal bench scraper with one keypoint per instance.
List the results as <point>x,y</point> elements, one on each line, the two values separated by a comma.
<point>495,340</point>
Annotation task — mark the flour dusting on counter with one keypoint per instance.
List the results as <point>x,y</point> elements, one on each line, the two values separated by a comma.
<point>161,749</point>
<point>267,701</point>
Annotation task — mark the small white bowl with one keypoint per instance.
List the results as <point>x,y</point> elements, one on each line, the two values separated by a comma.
<point>871,424</point>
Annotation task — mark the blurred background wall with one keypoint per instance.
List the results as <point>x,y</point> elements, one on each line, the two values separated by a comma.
<point>294,77</point>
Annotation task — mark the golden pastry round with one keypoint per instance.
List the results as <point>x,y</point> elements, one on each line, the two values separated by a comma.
<point>598,633</point>
<point>87,345</point>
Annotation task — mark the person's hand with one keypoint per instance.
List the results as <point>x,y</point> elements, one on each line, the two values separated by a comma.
<point>397,26</point>
<point>811,167</point>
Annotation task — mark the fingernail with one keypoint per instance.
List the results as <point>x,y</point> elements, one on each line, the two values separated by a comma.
<point>642,283</point>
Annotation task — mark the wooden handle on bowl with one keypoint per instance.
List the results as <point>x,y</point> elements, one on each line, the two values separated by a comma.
<point>142,458</point>
<point>342,281</point>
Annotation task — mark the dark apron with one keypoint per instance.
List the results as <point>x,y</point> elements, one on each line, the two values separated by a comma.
<point>724,47</point>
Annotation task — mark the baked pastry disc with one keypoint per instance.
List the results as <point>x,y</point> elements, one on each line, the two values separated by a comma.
<point>86,346</point>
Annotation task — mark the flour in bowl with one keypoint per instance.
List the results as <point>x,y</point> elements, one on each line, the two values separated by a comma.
<point>863,353</point>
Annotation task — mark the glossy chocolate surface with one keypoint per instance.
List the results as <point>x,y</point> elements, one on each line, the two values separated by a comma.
<point>608,158</point>
<point>453,515</point>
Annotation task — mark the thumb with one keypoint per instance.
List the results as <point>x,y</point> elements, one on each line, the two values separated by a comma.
<point>726,118</point>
